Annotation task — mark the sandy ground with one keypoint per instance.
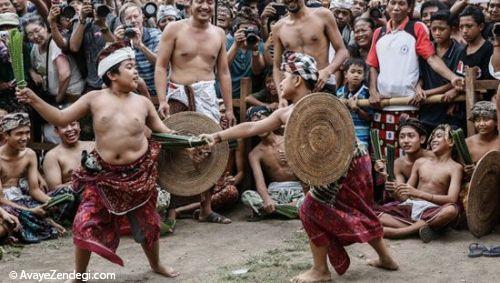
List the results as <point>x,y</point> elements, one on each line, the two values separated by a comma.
<point>271,250</point>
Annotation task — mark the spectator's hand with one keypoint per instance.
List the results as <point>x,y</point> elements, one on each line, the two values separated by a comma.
<point>86,11</point>
<point>7,85</point>
<point>42,183</point>
<point>38,211</point>
<point>230,117</point>
<point>352,104</point>
<point>120,32</point>
<point>269,12</point>
<point>240,38</point>
<point>458,83</point>
<point>419,97</point>
<point>273,106</point>
<point>390,186</point>
<point>137,39</point>
<point>374,98</point>
<point>374,3</point>
<point>449,95</point>
<point>164,110</point>
<point>407,191</point>
<point>55,12</point>
<point>25,95</point>
<point>37,78</point>
<point>323,76</point>
<point>11,219</point>
<point>269,206</point>
<point>469,169</point>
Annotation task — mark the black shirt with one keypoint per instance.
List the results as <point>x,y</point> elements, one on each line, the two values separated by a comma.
<point>480,58</point>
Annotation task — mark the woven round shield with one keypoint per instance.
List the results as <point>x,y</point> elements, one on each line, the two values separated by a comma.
<point>319,139</point>
<point>176,171</point>
<point>483,206</point>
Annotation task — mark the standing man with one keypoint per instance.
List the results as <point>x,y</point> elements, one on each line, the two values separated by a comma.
<point>193,49</point>
<point>310,31</point>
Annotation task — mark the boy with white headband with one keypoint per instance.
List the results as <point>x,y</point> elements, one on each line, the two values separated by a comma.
<point>119,177</point>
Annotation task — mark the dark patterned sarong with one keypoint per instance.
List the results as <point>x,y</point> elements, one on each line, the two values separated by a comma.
<point>406,212</point>
<point>349,220</point>
<point>111,193</point>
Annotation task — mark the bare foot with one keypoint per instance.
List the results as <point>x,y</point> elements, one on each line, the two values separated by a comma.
<point>61,231</point>
<point>312,276</point>
<point>386,263</point>
<point>166,271</point>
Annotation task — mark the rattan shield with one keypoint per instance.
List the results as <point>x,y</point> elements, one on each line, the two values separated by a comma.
<point>483,206</point>
<point>319,139</point>
<point>176,172</point>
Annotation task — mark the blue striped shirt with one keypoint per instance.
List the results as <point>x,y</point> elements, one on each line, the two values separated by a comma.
<point>151,39</point>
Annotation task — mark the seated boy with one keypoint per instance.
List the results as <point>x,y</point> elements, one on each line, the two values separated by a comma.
<point>268,158</point>
<point>427,203</point>
<point>354,89</point>
<point>268,96</point>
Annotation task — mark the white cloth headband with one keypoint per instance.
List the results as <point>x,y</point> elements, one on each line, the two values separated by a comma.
<point>113,59</point>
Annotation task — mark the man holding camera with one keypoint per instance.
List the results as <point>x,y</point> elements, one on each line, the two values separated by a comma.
<point>246,49</point>
<point>91,32</point>
<point>309,30</point>
<point>145,42</point>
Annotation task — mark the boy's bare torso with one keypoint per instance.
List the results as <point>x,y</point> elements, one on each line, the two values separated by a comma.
<point>69,158</point>
<point>274,163</point>
<point>479,148</point>
<point>12,169</point>
<point>434,177</point>
<point>119,123</point>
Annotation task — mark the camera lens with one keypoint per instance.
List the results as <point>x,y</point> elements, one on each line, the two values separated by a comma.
<point>102,11</point>
<point>68,12</point>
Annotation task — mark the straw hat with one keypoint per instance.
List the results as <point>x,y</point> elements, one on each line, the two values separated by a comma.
<point>483,206</point>
<point>319,139</point>
<point>177,173</point>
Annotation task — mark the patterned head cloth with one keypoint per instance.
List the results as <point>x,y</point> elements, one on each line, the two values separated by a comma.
<point>447,134</point>
<point>258,111</point>
<point>300,64</point>
<point>341,4</point>
<point>13,121</point>
<point>414,123</point>
<point>168,11</point>
<point>483,109</point>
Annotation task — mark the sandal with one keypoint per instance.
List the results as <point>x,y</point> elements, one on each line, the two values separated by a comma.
<point>476,250</point>
<point>492,252</point>
<point>214,217</point>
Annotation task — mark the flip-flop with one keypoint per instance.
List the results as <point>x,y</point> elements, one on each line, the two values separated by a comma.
<point>167,227</point>
<point>476,250</point>
<point>492,252</point>
<point>214,217</point>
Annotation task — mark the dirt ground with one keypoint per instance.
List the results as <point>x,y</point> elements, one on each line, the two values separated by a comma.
<point>269,251</point>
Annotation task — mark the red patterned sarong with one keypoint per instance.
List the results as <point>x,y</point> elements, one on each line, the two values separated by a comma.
<point>115,190</point>
<point>403,212</point>
<point>350,220</point>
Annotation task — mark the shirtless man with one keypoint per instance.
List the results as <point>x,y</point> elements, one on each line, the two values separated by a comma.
<point>310,31</point>
<point>61,161</point>
<point>427,202</point>
<point>351,221</point>
<point>412,135</point>
<point>194,49</point>
<point>123,161</point>
<point>484,116</point>
<point>18,162</point>
<point>269,154</point>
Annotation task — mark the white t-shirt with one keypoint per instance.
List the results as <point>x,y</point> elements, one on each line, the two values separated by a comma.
<point>39,62</point>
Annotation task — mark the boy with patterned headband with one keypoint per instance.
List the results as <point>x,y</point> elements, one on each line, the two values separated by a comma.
<point>331,222</point>
<point>484,116</point>
<point>119,177</point>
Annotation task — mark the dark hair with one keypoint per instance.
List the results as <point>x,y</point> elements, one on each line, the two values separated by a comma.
<point>445,16</point>
<point>474,12</point>
<point>105,53</point>
<point>34,19</point>
<point>366,20</point>
<point>433,3</point>
<point>354,61</point>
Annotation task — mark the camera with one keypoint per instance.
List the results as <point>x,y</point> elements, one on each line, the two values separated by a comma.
<point>377,12</point>
<point>129,31</point>
<point>496,30</point>
<point>149,9</point>
<point>67,11</point>
<point>101,10</point>
<point>251,35</point>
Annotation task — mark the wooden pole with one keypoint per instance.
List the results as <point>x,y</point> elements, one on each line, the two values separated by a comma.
<point>406,100</point>
<point>470,96</point>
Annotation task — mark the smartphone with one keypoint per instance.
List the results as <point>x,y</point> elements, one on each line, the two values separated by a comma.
<point>496,30</point>
<point>281,9</point>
